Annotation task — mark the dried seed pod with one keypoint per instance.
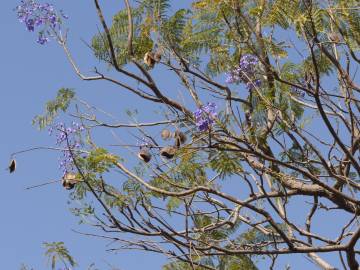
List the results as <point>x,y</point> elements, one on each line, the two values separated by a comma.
<point>12,166</point>
<point>177,142</point>
<point>165,134</point>
<point>144,155</point>
<point>334,37</point>
<point>69,180</point>
<point>149,59</point>
<point>180,137</point>
<point>168,152</point>
<point>157,56</point>
<point>67,185</point>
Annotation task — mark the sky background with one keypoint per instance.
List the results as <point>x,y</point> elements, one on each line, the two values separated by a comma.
<point>30,75</point>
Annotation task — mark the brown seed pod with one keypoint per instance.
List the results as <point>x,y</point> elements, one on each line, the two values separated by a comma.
<point>67,185</point>
<point>157,56</point>
<point>12,166</point>
<point>334,37</point>
<point>168,152</point>
<point>180,138</point>
<point>165,134</point>
<point>144,155</point>
<point>69,180</point>
<point>149,59</point>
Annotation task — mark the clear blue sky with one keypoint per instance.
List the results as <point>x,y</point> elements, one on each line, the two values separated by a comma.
<point>31,74</point>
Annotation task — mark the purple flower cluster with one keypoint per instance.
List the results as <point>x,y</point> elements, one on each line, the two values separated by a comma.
<point>245,72</point>
<point>69,139</point>
<point>34,15</point>
<point>204,116</point>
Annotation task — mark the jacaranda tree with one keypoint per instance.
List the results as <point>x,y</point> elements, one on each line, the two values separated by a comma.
<point>257,136</point>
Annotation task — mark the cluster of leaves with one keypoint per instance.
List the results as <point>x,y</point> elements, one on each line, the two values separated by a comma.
<point>57,252</point>
<point>53,107</point>
<point>92,166</point>
<point>146,17</point>
<point>220,263</point>
<point>225,164</point>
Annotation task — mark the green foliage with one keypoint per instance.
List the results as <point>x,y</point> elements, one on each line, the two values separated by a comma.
<point>92,166</point>
<point>179,266</point>
<point>188,172</point>
<point>318,16</point>
<point>114,199</point>
<point>324,65</point>
<point>225,164</point>
<point>254,236</point>
<point>100,161</point>
<point>241,262</point>
<point>172,204</point>
<point>173,28</point>
<point>83,212</point>
<point>202,221</point>
<point>53,107</point>
<point>281,12</point>
<point>142,41</point>
<point>276,49</point>
<point>134,192</point>
<point>57,252</point>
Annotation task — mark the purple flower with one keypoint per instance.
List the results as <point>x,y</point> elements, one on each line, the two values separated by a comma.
<point>69,139</point>
<point>248,62</point>
<point>30,24</point>
<point>35,15</point>
<point>204,116</point>
<point>253,84</point>
<point>203,125</point>
<point>42,39</point>
<point>246,72</point>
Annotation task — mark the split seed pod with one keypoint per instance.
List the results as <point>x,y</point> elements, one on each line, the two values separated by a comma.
<point>165,134</point>
<point>144,155</point>
<point>168,152</point>
<point>334,37</point>
<point>149,59</point>
<point>157,56</point>
<point>12,166</point>
<point>69,180</point>
<point>180,138</point>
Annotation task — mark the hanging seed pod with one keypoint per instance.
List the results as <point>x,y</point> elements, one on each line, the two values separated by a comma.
<point>157,56</point>
<point>144,155</point>
<point>69,180</point>
<point>67,185</point>
<point>177,142</point>
<point>12,166</point>
<point>180,138</point>
<point>149,59</point>
<point>165,134</point>
<point>168,152</point>
<point>334,37</point>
